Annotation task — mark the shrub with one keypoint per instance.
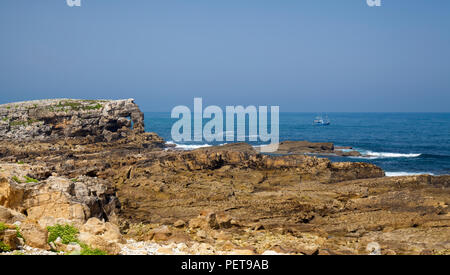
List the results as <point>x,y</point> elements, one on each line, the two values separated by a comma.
<point>4,247</point>
<point>16,179</point>
<point>67,233</point>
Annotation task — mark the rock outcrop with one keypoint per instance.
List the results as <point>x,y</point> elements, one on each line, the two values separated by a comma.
<point>51,200</point>
<point>101,235</point>
<point>306,147</point>
<point>59,118</point>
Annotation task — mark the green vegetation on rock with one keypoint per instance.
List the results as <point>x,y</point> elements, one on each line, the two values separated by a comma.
<point>3,227</point>
<point>76,105</point>
<point>86,250</point>
<point>22,122</point>
<point>27,179</point>
<point>4,247</point>
<point>18,234</point>
<point>30,180</point>
<point>67,233</point>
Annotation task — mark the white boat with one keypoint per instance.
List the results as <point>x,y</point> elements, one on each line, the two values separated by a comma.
<point>320,121</point>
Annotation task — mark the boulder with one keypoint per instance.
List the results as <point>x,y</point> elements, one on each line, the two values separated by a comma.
<point>161,233</point>
<point>34,235</point>
<point>9,238</point>
<point>101,235</point>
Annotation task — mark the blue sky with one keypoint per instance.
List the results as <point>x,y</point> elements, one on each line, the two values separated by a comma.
<point>303,55</point>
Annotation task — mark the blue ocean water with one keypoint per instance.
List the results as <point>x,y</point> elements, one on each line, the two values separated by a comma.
<point>400,143</point>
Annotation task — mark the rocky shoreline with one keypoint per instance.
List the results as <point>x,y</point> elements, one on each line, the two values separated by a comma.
<point>88,167</point>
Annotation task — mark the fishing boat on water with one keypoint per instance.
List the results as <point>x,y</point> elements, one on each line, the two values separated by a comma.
<point>320,121</point>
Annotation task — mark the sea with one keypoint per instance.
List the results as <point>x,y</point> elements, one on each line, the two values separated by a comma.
<point>399,143</point>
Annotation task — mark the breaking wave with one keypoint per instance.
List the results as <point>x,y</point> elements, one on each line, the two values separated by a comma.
<point>382,155</point>
<point>399,174</point>
<point>189,147</point>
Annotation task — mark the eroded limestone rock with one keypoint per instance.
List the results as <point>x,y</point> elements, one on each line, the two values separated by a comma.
<point>59,118</point>
<point>55,200</point>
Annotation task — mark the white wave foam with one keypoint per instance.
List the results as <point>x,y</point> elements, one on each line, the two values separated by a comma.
<point>399,174</point>
<point>391,155</point>
<point>189,147</point>
<point>382,155</point>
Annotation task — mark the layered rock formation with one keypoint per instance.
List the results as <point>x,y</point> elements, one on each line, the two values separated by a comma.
<point>225,200</point>
<point>60,118</point>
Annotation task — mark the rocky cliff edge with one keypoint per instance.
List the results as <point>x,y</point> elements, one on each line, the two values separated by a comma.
<point>58,118</point>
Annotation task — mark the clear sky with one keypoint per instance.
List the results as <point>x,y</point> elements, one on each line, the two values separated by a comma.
<point>303,55</point>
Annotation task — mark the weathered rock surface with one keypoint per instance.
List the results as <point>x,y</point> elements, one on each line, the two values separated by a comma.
<point>56,118</point>
<point>306,147</point>
<point>10,216</point>
<point>54,199</point>
<point>8,239</point>
<point>34,235</point>
<point>101,235</point>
